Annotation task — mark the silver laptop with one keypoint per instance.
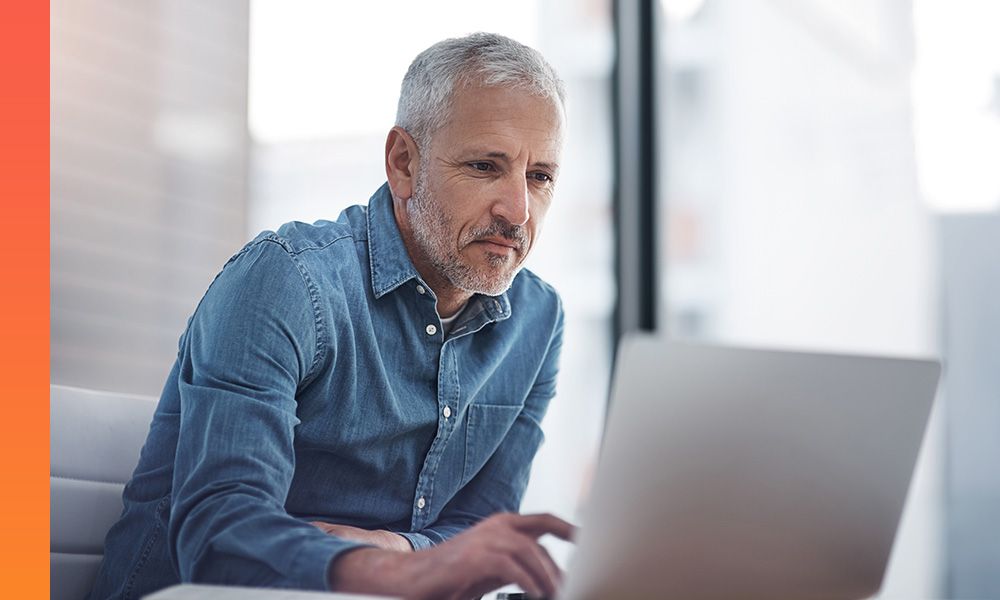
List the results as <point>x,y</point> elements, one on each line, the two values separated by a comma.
<point>738,473</point>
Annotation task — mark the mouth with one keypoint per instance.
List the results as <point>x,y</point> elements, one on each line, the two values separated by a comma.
<point>498,245</point>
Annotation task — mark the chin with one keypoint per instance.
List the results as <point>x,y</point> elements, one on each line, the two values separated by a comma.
<point>499,285</point>
<point>493,286</point>
<point>490,277</point>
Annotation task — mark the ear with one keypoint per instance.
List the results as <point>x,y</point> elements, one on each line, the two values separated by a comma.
<point>401,161</point>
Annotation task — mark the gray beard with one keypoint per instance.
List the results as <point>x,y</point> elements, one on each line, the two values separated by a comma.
<point>431,227</point>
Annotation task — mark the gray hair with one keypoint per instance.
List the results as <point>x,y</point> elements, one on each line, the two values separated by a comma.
<point>485,59</point>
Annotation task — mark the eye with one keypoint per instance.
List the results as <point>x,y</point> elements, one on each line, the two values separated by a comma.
<point>541,177</point>
<point>481,166</point>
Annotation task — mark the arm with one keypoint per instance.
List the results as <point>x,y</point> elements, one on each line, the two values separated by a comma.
<point>376,537</point>
<point>500,484</point>
<point>499,550</point>
<point>252,342</point>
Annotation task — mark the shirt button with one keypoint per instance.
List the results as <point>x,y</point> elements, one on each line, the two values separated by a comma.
<point>431,330</point>
<point>447,412</point>
<point>421,290</point>
<point>421,503</point>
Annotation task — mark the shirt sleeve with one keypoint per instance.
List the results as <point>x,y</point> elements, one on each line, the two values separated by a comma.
<point>499,486</point>
<point>253,341</point>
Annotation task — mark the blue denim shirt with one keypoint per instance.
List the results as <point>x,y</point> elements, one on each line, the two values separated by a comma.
<point>314,382</point>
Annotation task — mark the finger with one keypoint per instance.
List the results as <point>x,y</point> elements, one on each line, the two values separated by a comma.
<point>537,561</point>
<point>540,524</point>
<point>512,571</point>
<point>529,555</point>
<point>550,565</point>
<point>478,588</point>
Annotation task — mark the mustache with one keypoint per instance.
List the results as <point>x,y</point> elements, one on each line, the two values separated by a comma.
<point>515,234</point>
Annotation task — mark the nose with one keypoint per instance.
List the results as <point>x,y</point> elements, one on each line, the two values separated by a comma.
<point>513,201</point>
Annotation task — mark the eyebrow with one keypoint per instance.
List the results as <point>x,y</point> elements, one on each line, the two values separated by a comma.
<point>505,157</point>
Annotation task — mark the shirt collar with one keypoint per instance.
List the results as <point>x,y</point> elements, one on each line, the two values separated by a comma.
<point>390,263</point>
<point>391,266</point>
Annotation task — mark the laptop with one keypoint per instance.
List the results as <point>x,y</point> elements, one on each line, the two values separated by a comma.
<point>743,473</point>
<point>737,473</point>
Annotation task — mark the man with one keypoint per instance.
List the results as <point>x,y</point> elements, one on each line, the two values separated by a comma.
<point>348,392</point>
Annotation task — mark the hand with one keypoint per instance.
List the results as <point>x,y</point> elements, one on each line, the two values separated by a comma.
<point>499,550</point>
<point>386,540</point>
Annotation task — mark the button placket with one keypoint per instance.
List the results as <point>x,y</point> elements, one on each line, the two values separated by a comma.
<point>446,396</point>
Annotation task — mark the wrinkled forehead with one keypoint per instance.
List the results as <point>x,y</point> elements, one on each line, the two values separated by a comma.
<point>507,116</point>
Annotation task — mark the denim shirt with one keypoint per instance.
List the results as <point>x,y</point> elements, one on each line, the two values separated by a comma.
<point>314,382</point>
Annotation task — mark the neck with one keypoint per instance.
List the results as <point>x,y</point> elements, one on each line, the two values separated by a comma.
<point>448,307</point>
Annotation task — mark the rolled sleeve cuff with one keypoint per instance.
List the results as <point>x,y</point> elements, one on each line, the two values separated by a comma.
<point>315,558</point>
<point>419,541</point>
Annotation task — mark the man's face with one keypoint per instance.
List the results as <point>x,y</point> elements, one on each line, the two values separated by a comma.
<point>483,187</point>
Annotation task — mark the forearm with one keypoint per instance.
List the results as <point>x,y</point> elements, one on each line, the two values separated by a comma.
<point>369,571</point>
<point>379,538</point>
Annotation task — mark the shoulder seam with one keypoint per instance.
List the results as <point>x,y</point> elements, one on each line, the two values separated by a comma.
<point>292,250</point>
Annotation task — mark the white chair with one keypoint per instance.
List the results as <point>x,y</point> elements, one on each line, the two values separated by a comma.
<point>94,444</point>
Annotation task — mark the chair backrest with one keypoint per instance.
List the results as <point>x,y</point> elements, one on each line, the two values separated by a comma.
<point>94,444</point>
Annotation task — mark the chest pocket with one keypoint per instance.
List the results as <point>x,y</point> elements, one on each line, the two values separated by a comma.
<point>486,428</point>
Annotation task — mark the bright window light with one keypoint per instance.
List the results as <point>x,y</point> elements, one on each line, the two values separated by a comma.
<point>317,71</point>
<point>956,102</point>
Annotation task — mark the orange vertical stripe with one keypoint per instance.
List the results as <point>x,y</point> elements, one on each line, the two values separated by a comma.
<point>24,299</point>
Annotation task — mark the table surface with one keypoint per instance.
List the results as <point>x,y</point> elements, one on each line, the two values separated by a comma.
<point>218,592</point>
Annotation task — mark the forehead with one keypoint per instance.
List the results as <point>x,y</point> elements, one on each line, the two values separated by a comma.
<point>502,119</point>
